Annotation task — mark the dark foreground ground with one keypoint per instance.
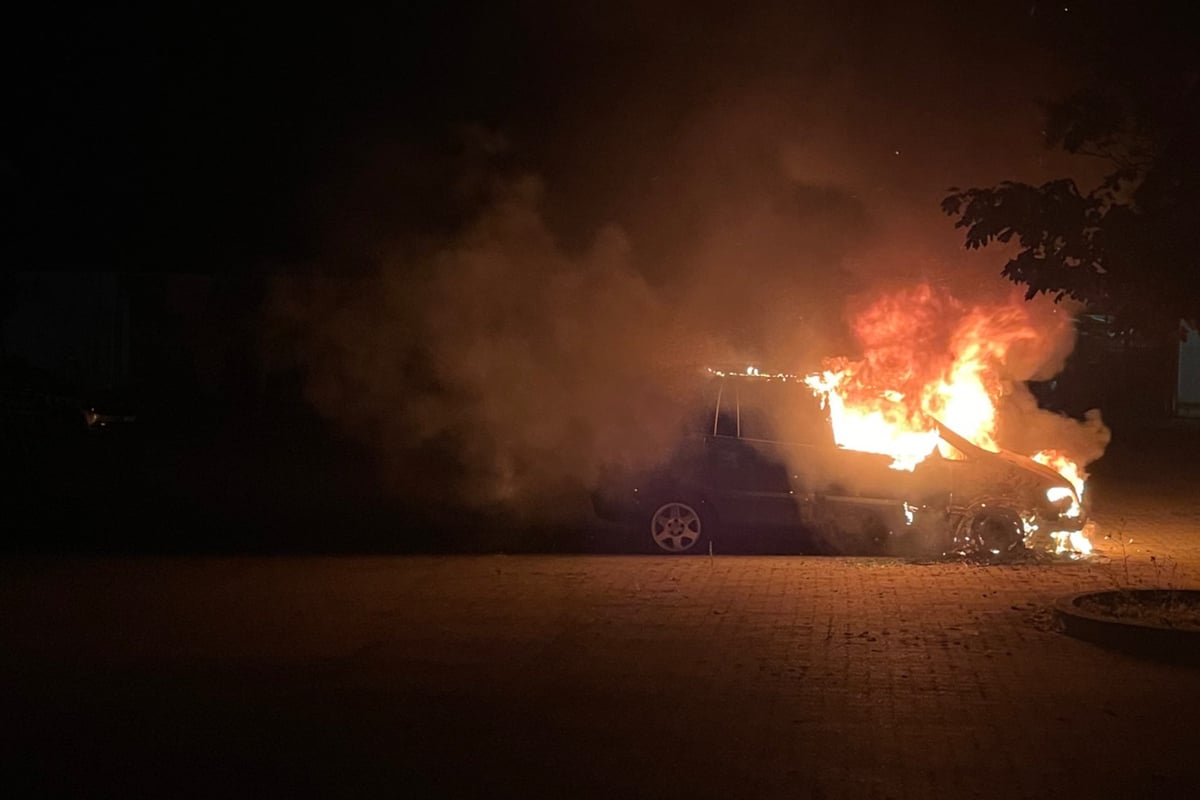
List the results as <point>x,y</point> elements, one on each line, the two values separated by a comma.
<point>598,675</point>
<point>290,483</point>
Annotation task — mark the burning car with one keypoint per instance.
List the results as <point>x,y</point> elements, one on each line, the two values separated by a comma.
<point>764,453</point>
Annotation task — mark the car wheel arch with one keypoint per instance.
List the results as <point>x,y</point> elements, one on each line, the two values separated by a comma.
<point>989,517</point>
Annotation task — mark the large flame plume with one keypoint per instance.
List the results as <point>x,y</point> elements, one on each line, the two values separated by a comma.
<point>929,360</point>
<point>925,358</point>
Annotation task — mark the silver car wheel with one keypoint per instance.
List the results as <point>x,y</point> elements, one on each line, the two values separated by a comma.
<point>676,527</point>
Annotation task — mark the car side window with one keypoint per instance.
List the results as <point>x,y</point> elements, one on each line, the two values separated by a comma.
<point>808,423</point>
<point>726,421</point>
<point>754,419</point>
<point>782,411</point>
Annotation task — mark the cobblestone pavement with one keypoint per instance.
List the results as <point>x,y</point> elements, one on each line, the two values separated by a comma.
<point>593,676</point>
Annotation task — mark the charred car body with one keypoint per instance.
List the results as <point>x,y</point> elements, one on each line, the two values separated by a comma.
<point>763,454</point>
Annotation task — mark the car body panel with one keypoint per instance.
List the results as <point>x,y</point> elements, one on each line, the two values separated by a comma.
<point>741,472</point>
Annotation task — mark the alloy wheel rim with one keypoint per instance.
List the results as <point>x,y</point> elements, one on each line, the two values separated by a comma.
<point>675,527</point>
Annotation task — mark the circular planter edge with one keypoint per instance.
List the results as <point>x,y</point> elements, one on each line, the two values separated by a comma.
<point>1147,640</point>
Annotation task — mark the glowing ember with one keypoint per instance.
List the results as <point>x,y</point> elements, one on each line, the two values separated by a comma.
<point>1075,542</point>
<point>1068,541</point>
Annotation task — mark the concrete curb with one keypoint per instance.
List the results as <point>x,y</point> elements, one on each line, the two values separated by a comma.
<point>1144,639</point>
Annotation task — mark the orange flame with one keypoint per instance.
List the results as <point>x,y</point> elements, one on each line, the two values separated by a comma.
<point>1068,541</point>
<point>885,427</point>
<point>1064,466</point>
<point>927,358</point>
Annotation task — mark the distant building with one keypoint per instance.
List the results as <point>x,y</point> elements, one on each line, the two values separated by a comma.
<point>71,325</point>
<point>1187,384</point>
<point>1129,376</point>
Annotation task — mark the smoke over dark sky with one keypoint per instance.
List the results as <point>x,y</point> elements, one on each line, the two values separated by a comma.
<point>628,192</point>
<point>255,135</point>
<point>488,221</point>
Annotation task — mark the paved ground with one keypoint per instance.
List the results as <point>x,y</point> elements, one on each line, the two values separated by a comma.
<point>584,675</point>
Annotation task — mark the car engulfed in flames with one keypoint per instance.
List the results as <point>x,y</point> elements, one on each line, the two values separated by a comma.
<point>766,456</point>
<point>1038,496</point>
<point>929,382</point>
<point>899,444</point>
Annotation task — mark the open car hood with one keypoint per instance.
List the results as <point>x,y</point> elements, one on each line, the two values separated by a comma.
<point>1007,456</point>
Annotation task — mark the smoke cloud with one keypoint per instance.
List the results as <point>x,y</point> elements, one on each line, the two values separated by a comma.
<point>924,357</point>
<point>720,189</point>
<point>501,368</point>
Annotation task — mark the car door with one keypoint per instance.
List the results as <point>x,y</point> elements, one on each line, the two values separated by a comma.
<point>766,457</point>
<point>864,496</point>
<point>731,465</point>
<point>832,483</point>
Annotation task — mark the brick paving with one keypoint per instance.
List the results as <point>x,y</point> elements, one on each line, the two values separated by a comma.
<point>731,676</point>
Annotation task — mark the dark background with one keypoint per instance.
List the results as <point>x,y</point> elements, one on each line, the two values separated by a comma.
<point>167,164</point>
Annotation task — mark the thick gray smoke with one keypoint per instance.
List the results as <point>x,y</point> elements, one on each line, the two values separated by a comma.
<point>523,369</point>
<point>500,368</point>
<point>1023,427</point>
<point>711,192</point>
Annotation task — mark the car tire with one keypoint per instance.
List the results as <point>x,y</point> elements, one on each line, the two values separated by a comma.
<point>996,537</point>
<point>678,527</point>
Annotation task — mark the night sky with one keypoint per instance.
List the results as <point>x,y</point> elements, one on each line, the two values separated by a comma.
<point>435,277</point>
<point>458,227</point>
<point>210,138</point>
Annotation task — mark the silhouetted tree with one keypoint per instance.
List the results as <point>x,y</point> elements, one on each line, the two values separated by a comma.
<point>1129,246</point>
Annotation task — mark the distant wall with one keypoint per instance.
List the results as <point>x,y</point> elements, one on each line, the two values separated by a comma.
<point>1187,391</point>
<point>74,325</point>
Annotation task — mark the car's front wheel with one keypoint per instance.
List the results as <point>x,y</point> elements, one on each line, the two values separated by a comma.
<point>995,537</point>
<point>678,528</point>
